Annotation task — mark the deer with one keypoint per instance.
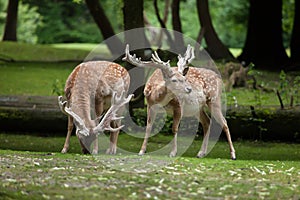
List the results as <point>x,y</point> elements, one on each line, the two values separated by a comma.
<point>92,88</point>
<point>187,91</point>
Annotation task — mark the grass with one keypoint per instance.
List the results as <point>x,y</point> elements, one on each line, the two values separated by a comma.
<point>33,78</point>
<point>32,168</point>
<point>42,53</point>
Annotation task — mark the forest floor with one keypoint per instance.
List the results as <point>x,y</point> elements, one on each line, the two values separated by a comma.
<point>32,168</point>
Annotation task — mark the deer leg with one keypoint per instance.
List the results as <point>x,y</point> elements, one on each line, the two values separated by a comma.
<point>67,141</point>
<point>151,114</point>
<point>177,114</point>
<point>205,121</point>
<point>98,111</point>
<point>113,138</point>
<point>217,114</point>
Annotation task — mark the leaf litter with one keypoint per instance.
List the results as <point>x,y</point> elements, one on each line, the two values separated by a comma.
<point>56,176</point>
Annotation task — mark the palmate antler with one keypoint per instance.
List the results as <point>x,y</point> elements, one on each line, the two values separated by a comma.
<point>116,104</point>
<point>185,60</point>
<point>155,62</point>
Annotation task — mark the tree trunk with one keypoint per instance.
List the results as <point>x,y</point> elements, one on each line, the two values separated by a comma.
<point>215,47</point>
<point>162,23</point>
<point>264,43</point>
<point>136,38</point>
<point>114,44</point>
<point>295,40</point>
<point>178,39</point>
<point>10,30</point>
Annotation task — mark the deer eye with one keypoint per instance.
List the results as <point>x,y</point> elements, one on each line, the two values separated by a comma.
<point>174,80</point>
<point>185,71</point>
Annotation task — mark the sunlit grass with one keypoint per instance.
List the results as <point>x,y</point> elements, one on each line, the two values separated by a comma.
<point>33,78</point>
<point>42,53</point>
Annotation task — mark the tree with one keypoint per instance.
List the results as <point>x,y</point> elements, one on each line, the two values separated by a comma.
<point>104,25</point>
<point>10,30</point>
<point>215,47</point>
<point>295,39</point>
<point>264,43</point>
<point>134,19</point>
<point>178,39</point>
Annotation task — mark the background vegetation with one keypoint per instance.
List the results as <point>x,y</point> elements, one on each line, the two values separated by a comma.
<point>58,21</point>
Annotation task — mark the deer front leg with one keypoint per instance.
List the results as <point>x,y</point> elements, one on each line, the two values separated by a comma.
<point>177,114</point>
<point>113,138</point>
<point>217,114</point>
<point>67,141</point>
<point>151,114</point>
<point>95,146</point>
<point>205,121</point>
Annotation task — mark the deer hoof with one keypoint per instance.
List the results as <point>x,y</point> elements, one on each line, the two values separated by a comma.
<point>172,154</point>
<point>95,152</point>
<point>64,150</point>
<point>141,153</point>
<point>201,155</point>
<point>111,151</point>
<point>233,157</point>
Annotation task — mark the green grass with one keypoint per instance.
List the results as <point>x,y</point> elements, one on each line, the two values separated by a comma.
<point>42,53</point>
<point>246,150</point>
<point>33,78</point>
<point>32,168</point>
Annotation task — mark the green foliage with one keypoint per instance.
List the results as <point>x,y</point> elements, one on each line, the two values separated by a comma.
<point>288,12</point>
<point>28,22</point>
<point>70,21</point>
<point>289,88</point>
<point>58,87</point>
<point>296,90</point>
<point>65,21</point>
<point>230,21</point>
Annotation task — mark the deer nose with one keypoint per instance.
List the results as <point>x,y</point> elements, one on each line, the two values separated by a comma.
<point>188,90</point>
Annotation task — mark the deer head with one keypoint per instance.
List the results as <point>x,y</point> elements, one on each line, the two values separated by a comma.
<point>175,80</point>
<point>82,130</point>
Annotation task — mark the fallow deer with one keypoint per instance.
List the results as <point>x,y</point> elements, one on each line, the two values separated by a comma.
<point>187,90</point>
<point>89,90</point>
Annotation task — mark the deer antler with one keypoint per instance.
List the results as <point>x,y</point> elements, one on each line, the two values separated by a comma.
<point>185,60</point>
<point>155,62</point>
<point>77,120</point>
<point>116,104</point>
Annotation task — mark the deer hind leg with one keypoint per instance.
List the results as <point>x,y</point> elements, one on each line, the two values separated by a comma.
<point>205,122</point>
<point>151,114</point>
<point>217,114</point>
<point>113,138</point>
<point>67,141</point>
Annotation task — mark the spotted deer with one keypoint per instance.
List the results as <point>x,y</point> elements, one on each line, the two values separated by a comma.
<point>90,89</point>
<point>187,90</point>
